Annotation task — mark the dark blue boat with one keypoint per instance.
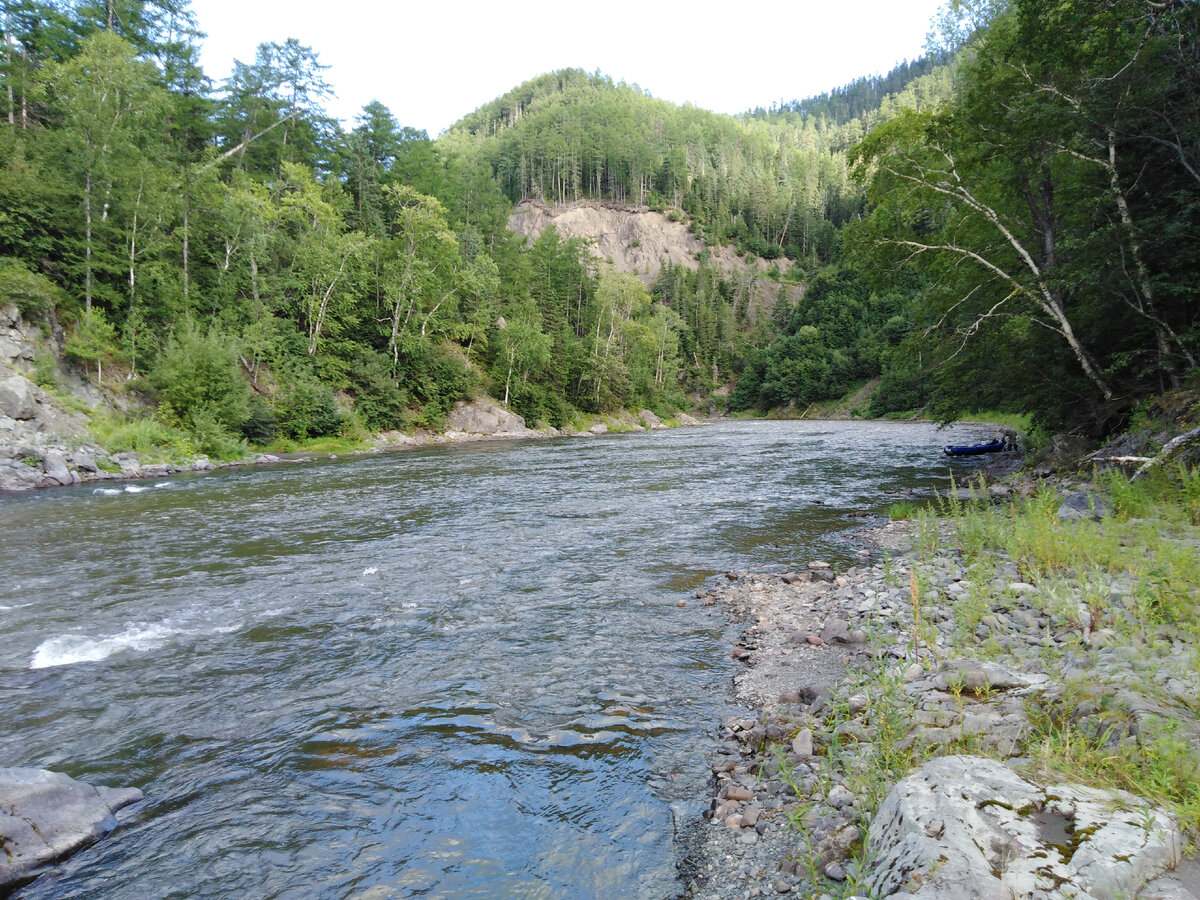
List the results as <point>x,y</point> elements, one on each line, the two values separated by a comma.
<point>995,446</point>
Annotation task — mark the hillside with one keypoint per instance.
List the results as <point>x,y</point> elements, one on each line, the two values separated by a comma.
<point>775,185</point>
<point>257,273</point>
<point>642,242</point>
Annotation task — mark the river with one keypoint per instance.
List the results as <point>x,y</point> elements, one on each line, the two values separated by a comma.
<point>458,671</point>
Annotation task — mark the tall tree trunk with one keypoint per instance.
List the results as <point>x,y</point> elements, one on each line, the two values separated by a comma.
<point>87,243</point>
<point>187,218</point>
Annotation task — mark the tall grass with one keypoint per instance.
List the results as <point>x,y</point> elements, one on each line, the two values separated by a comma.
<point>1135,575</point>
<point>152,439</point>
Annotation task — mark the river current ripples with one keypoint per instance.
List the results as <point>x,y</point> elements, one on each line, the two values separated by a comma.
<point>458,671</point>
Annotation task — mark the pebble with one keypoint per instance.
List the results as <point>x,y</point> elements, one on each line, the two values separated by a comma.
<point>802,743</point>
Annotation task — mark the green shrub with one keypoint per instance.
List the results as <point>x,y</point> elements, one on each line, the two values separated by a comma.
<point>92,340</point>
<point>903,509</point>
<point>260,424</point>
<point>45,369</point>
<point>34,294</point>
<point>306,408</point>
<point>433,377</point>
<point>380,403</point>
<point>212,438</point>
<point>146,437</point>
<point>198,375</point>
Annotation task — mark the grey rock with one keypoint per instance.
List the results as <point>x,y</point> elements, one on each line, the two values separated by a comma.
<point>1084,505</point>
<point>54,464</point>
<point>834,839</point>
<point>975,676</point>
<point>84,462</point>
<point>834,872</point>
<point>840,796</point>
<point>15,475</point>
<point>598,428</point>
<point>802,743</point>
<point>649,419</point>
<point>46,816</point>
<point>836,631</point>
<point>481,417</point>
<point>969,827</point>
<point>685,419</point>
<point>17,399</point>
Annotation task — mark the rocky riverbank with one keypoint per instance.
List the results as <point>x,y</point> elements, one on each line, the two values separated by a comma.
<point>906,722</point>
<point>46,441</point>
<point>40,447</point>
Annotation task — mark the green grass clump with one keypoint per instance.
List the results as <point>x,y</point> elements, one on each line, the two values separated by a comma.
<point>1159,764</point>
<point>154,440</point>
<point>331,444</point>
<point>144,436</point>
<point>902,510</point>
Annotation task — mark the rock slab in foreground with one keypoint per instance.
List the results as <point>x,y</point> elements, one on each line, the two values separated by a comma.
<point>45,816</point>
<point>970,828</point>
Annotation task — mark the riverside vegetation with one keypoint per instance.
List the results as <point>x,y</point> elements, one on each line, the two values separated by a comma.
<point>235,264</point>
<point>1059,638</point>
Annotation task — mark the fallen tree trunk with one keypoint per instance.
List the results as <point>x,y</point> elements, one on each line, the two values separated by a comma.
<point>1171,449</point>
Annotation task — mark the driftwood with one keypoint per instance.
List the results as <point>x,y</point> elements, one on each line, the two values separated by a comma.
<point>1170,450</point>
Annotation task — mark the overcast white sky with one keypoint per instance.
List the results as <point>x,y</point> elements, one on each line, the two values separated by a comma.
<point>433,62</point>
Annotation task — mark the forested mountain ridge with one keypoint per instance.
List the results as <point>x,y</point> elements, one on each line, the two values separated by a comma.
<point>775,186</point>
<point>255,271</point>
<point>866,97</point>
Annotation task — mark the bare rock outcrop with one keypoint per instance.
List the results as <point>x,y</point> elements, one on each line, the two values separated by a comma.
<point>636,241</point>
<point>970,828</point>
<point>485,418</point>
<point>640,241</point>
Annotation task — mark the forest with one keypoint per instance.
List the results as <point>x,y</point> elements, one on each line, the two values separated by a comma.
<point>1009,223</point>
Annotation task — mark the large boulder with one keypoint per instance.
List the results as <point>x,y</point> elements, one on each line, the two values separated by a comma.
<point>484,417</point>
<point>970,828</point>
<point>17,475</point>
<point>17,399</point>
<point>54,464</point>
<point>650,420</point>
<point>45,816</point>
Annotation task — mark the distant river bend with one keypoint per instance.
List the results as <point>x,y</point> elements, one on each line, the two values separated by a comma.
<point>458,671</point>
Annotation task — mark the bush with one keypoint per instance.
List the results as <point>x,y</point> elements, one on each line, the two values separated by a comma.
<point>305,409</point>
<point>535,404</point>
<point>145,437</point>
<point>260,425</point>
<point>34,294</point>
<point>378,400</point>
<point>435,378</point>
<point>198,375</point>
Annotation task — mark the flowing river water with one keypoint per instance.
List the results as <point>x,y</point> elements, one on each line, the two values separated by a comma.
<point>458,671</point>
